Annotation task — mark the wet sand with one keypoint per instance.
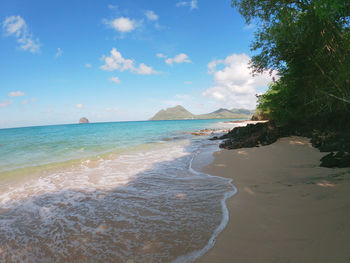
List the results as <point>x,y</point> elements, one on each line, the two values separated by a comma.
<point>287,209</point>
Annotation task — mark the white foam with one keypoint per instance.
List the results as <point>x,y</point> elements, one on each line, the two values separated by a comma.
<point>111,208</point>
<point>225,218</point>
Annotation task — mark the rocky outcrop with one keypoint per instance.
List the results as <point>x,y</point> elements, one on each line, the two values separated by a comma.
<point>251,135</point>
<point>337,143</point>
<point>83,120</point>
<point>340,159</point>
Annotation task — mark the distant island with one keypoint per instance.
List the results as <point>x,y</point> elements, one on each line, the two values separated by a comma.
<point>180,113</point>
<point>83,120</point>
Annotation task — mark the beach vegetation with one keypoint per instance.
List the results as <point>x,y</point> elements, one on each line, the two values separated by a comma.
<point>308,43</point>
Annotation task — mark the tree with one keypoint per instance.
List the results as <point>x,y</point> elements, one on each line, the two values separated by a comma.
<point>308,43</point>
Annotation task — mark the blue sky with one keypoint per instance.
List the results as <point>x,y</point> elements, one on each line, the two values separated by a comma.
<point>121,60</point>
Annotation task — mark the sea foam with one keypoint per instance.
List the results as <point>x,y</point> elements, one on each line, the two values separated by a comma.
<point>149,205</point>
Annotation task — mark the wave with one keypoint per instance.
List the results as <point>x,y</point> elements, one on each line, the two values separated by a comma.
<point>225,218</point>
<point>143,205</point>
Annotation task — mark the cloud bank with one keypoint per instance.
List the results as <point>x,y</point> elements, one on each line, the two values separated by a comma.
<point>234,84</point>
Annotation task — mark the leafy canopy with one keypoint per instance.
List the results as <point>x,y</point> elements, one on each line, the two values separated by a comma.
<point>308,43</point>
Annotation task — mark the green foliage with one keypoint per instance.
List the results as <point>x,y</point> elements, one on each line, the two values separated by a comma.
<point>242,111</point>
<point>273,104</point>
<point>227,114</point>
<point>308,43</point>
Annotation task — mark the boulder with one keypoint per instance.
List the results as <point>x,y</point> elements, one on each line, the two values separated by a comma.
<point>340,159</point>
<point>252,135</point>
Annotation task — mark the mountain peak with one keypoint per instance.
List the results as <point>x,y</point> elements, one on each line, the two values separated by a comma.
<point>175,113</point>
<point>180,113</point>
<point>177,107</point>
<point>221,110</point>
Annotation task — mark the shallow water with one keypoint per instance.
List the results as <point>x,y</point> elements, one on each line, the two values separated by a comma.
<point>146,204</point>
<point>34,146</point>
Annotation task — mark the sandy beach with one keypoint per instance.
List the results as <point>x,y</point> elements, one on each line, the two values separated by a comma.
<point>287,208</point>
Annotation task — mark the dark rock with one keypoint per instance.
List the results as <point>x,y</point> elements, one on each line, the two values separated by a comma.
<point>329,140</point>
<point>340,159</point>
<point>251,135</point>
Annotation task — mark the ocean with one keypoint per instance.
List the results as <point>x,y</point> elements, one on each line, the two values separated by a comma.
<point>110,192</point>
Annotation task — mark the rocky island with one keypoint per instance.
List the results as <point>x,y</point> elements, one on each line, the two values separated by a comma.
<point>83,120</point>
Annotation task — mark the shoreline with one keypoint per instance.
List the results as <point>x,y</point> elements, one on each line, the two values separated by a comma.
<point>94,186</point>
<point>287,208</point>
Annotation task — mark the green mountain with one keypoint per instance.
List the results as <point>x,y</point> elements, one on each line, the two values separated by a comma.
<point>220,114</point>
<point>243,111</point>
<point>180,113</point>
<point>175,113</point>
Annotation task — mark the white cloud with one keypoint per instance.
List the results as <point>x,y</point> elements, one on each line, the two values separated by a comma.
<point>145,70</point>
<point>29,101</point>
<point>5,103</point>
<point>212,65</point>
<point>151,15</point>
<point>160,55</point>
<point>180,58</point>
<point>116,80</point>
<point>79,106</point>
<point>122,24</point>
<point>249,26</point>
<point>182,3</point>
<point>14,25</point>
<point>116,62</point>
<point>112,109</point>
<point>16,94</point>
<point>59,52</point>
<point>112,6</point>
<point>88,65</point>
<point>17,27</point>
<point>188,82</point>
<point>234,84</point>
<point>193,4</point>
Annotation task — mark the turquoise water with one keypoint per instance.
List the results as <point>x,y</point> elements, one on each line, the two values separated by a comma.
<point>132,193</point>
<point>34,146</point>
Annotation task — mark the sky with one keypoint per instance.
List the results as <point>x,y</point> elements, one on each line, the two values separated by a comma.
<point>122,60</point>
